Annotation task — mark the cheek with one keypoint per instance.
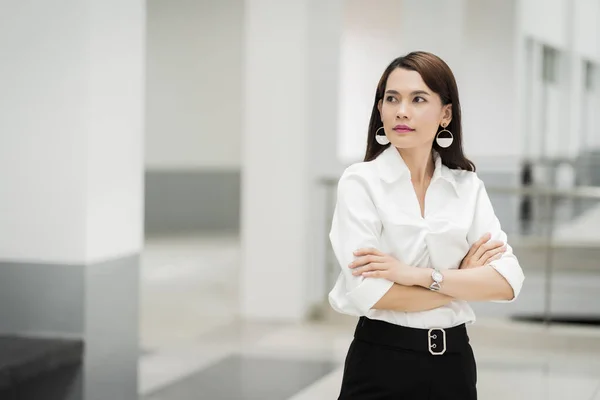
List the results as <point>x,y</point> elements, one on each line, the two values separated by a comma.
<point>428,123</point>
<point>388,111</point>
<point>430,115</point>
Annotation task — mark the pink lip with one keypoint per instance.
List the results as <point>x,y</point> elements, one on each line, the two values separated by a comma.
<point>403,128</point>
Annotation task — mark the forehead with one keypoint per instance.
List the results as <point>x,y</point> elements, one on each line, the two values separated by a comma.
<point>403,80</point>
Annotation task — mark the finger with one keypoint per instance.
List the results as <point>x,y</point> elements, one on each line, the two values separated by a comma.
<point>360,261</point>
<point>366,251</point>
<point>490,247</point>
<point>487,247</point>
<point>492,253</point>
<point>370,267</point>
<point>484,238</point>
<point>496,257</point>
<point>376,274</point>
<point>478,244</point>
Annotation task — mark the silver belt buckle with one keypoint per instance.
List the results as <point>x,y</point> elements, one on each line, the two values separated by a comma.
<point>432,346</point>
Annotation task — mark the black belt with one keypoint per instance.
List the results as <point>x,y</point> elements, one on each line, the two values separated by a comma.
<point>436,341</point>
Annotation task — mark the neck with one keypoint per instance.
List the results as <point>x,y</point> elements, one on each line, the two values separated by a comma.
<point>419,162</point>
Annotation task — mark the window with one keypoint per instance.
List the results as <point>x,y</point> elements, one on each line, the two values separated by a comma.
<point>590,76</point>
<point>550,59</point>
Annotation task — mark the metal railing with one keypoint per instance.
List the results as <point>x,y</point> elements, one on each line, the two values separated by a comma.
<point>545,199</point>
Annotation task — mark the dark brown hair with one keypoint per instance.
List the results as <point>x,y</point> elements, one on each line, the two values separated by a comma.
<point>438,77</point>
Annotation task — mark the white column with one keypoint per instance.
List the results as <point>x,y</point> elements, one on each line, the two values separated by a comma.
<point>71,219</point>
<point>71,132</point>
<point>289,129</point>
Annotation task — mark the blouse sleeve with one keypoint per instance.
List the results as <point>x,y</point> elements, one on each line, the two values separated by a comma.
<point>356,224</point>
<point>484,221</point>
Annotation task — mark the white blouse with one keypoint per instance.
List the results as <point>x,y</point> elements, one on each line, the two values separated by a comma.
<point>378,207</point>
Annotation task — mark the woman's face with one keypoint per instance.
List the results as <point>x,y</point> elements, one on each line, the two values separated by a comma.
<point>411,112</point>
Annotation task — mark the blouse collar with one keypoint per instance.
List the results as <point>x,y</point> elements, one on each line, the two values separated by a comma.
<point>392,167</point>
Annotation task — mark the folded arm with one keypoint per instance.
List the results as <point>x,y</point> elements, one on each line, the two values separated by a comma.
<point>356,224</point>
<point>475,284</point>
<point>411,299</point>
<point>500,281</point>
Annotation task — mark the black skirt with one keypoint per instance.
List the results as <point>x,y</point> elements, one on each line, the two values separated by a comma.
<point>387,361</point>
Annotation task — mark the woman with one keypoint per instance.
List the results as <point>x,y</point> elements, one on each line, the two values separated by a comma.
<point>417,238</point>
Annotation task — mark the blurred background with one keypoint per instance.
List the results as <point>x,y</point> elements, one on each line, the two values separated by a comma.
<point>168,173</point>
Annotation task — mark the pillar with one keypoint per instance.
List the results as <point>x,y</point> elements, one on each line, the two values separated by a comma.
<point>291,76</point>
<point>71,168</point>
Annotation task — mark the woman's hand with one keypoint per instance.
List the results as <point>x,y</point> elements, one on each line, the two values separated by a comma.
<point>372,263</point>
<point>483,252</point>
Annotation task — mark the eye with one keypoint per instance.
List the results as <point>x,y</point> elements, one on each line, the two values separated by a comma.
<point>419,99</point>
<point>390,99</point>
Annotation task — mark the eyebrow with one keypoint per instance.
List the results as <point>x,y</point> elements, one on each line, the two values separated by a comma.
<point>416,92</point>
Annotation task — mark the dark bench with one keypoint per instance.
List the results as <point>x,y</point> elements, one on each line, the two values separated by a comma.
<point>41,369</point>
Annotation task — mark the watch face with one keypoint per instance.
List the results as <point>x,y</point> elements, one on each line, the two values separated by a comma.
<point>437,276</point>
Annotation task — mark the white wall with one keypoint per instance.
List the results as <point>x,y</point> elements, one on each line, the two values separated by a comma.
<point>292,64</point>
<point>564,24</point>
<point>372,38</point>
<point>476,38</point>
<point>573,28</point>
<point>545,20</point>
<point>587,28</point>
<point>488,91</point>
<point>44,106</point>
<point>195,76</point>
<point>435,26</point>
<point>115,131</point>
<point>71,131</point>
<point>586,36</point>
<point>194,84</point>
<point>370,41</point>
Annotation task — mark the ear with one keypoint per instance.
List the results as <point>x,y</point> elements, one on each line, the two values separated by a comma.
<point>379,103</point>
<point>446,114</point>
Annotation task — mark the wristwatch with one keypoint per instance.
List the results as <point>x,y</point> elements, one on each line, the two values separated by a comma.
<point>437,277</point>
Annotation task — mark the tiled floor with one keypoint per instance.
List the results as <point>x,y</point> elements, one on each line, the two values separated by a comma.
<point>197,349</point>
<point>240,377</point>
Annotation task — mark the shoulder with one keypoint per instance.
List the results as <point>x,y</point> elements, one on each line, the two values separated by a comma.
<point>358,176</point>
<point>466,181</point>
<point>363,169</point>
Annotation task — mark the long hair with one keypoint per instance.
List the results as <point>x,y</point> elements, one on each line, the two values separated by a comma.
<point>438,77</point>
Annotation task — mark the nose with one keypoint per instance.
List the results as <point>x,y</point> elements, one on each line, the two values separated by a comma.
<point>402,110</point>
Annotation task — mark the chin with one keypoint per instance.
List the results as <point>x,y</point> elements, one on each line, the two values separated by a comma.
<point>405,143</point>
<point>410,143</point>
